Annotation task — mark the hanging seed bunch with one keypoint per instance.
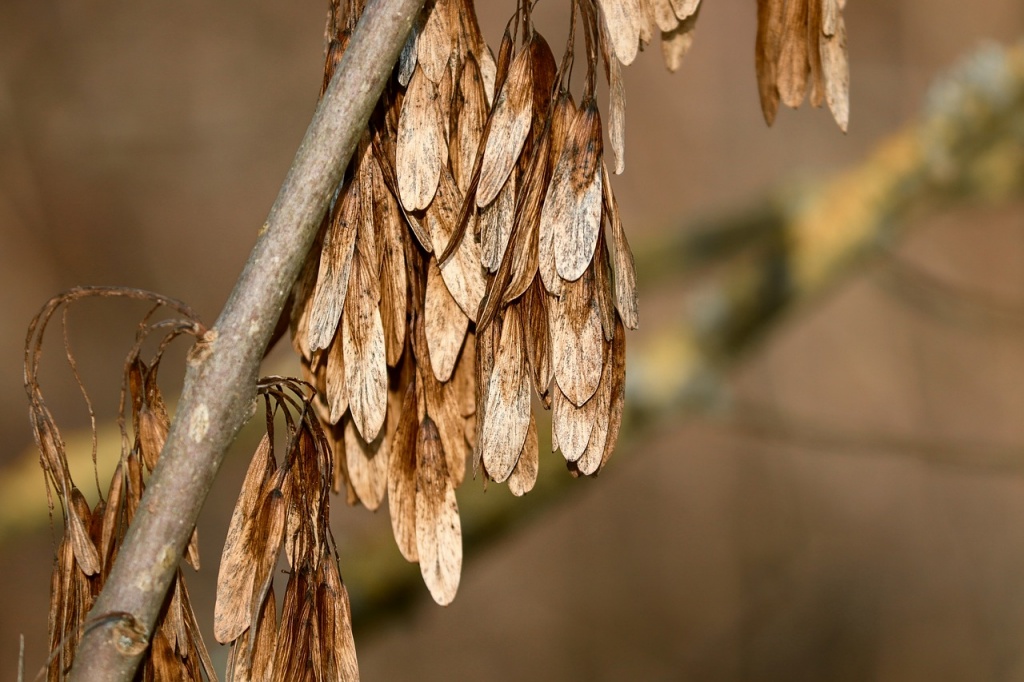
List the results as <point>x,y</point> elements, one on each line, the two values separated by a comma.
<point>93,535</point>
<point>285,505</point>
<point>801,46</point>
<point>473,261</point>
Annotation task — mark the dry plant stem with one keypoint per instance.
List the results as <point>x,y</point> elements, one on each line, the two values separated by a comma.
<point>220,384</point>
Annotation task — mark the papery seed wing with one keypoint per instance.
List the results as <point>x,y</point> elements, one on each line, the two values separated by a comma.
<point>576,341</point>
<point>590,460</point>
<point>617,114</point>
<point>235,575</point>
<point>462,273</point>
<point>685,8</point>
<point>625,268</point>
<point>264,547</point>
<point>538,337</point>
<point>815,34</point>
<point>506,417</point>
<point>434,46</point>
<point>572,426</point>
<point>78,520</point>
<point>337,390</point>
<point>495,222</point>
<point>766,51</point>
<point>438,529</point>
<point>561,127</point>
<point>511,120</point>
<point>472,116</point>
<point>394,285</point>
<point>676,44</point>
<point>338,645</point>
<point>524,476</point>
<point>624,20</point>
<point>421,148</point>
<point>836,69</point>
<point>791,79</point>
<point>663,14</point>
<point>445,322</point>
<point>402,479</point>
<point>408,57</point>
<point>572,207</point>
<point>365,357</point>
<point>367,465</point>
<point>335,269</point>
<point>617,396</point>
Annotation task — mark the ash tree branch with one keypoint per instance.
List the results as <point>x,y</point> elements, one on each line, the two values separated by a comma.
<point>220,382</point>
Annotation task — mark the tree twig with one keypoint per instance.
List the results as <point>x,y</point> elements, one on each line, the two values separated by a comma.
<point>220,382</point>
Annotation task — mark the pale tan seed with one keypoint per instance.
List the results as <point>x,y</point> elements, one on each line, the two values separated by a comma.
<point>363,346</point>
<point>339,650</point>
<point>663,14</point>
<point>469,124</point>
<point>625,268</point>
<point>153,426</point>
<point>445,324</point>
<point>438,529</point>
<point>572,207</point>
<point>231,614</point>
<point>443,409</point>
<point>78,519</point>
<point>571,425</point>
<point>836,69</point>
<point>262,648</point>
<point>421,149</point>
<point>335,269</point>
<point>576,341</point>
<point>617,396</point>
<point>831,17</point>
<point>624,21</point>
<point>495,222</point>
<point>264,547</point>
<point>393,275</point>
<point>685,8</point>
<point>337,390</point>
<point>402,479</point>
<point>462,272</point>
<point>590,460</point>
<point>815,34</point>
<point>617,114</point>
<point>408,57</point>
<point>791,78</point>
<point>676,44</point>
<point>367,465</point>
<point>510,124</point>
<point>112,514</point>
<point>506,417</point>
<point>766,52</point>
<point>561,125</point>
<point>524,476</point>
<point>538,337</point>
<point>434,45</point>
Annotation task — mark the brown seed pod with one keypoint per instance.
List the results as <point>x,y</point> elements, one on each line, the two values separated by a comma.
<point>572,207</point>
<point>511,120</point>
<point>438,529</point>
<point>421,148</point>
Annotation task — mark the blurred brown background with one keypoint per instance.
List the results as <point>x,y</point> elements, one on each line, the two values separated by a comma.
<point>143,143</point>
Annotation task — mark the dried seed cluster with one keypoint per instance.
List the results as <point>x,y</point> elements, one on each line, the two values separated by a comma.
<point>285,505</point>
<point>801,45</point>
<point>473,261</point>
<point>93,535</point>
